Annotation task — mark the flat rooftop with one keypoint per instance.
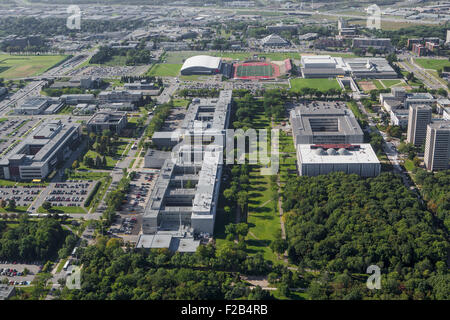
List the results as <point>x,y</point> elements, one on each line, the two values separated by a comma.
<point>323,118</point>
<point>308,155</point>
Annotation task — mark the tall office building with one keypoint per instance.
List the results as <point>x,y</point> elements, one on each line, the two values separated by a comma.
<point>437,146</point>
<point>419,118</point>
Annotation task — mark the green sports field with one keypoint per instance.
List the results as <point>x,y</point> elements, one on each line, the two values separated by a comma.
<point>17,66</point>
<point>254,71</point>
<point>320,84</point>
<point>165,70</point>
<point>432,63</point>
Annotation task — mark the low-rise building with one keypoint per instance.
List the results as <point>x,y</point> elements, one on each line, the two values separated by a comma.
<point>382,44</point>
<point>324,66</point>
<point>120,96</point>
<point>114,121</point>
<point>274,40</point>
<point>39,105</point>
<point>37,156</point>
<point>74,99</point>
<point>324,122</point>
<point>6,291</point>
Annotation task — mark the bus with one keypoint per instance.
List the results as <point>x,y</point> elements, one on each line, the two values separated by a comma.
<point>66,265</point>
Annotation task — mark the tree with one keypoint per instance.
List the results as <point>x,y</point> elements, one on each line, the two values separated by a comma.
<point>75,164</point>
<point>242,200</point>
<point>279,246</point>
<point>11,205</point>
<point>98,162</point>
<point>46,205</point>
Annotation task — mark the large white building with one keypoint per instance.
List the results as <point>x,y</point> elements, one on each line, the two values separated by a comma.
<point>201,65</point>
<point>320,159</point>
<point>328,138</point>
<point>324,66</point>
<point>184,199</point>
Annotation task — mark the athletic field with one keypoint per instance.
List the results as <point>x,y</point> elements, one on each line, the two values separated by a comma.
<point>256,70</point>
<point>18,66</point>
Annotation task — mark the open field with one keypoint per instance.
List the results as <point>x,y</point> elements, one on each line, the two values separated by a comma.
<point>320,84</point>
<point>434,64</point>
<point>178,57</point>
<point>391,82</point>
<point>16,66</point>
<point>165,70</point>
<point>58,209</point>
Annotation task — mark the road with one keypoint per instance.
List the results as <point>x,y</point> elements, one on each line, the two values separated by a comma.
<point>167,93</point>
<point>33,88</point>
<point>390,148</point>
<point>422,74</point>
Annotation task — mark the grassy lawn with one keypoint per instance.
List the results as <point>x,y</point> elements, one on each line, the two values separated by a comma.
<point>391,82</point>
<point>294,295</point>
<point>183,103</point>
<point>18,209</point>
<point>57,209</point>
<point>378,84</point>
<point>355,109</point>
<point>85,174</point>
<point>165,70</point>
<point>66,110</point>
<point>110,160</point>
<point>178,57</point>
<point>434,64</point>
<point>409,165</point>
<point>320,84</point>
<point>263,220</point>
<point>287,157</point>
<point>18,66</point>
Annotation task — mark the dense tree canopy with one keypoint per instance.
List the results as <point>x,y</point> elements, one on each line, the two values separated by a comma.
<point>30,240</point>
<point>344,223</point>
<point>110,273</point>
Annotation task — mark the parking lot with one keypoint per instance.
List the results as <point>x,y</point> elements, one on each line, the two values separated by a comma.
<point>139,194</point>
<point>14,272</point>
<point>126,225</point>
<point>23,195</point>
<point>65,194</point>
<point>174,120</point>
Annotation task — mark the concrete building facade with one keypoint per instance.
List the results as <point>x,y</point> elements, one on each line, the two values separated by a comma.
<point>184,200</point>
<point>419,118</point>
<point>37,155</point>
<point>114,121</point>
<point>437,146</point>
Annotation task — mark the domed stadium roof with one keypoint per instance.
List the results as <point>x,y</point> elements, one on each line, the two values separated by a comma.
<point>201,64</point>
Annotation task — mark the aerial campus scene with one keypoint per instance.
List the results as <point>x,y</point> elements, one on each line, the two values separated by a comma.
<point>224,150</point>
